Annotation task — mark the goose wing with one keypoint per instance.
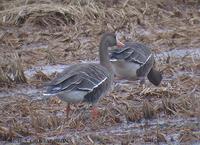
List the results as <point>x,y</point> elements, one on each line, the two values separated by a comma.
<point>132,52</point>
<point>81,77</point>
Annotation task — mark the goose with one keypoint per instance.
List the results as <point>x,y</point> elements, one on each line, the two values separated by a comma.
<point>86,82</point>
<point>134,61</point>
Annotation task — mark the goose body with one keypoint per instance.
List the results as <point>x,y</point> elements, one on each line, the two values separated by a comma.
<point>86,82</point>
<point>134,61</point>
<point>81,82</point>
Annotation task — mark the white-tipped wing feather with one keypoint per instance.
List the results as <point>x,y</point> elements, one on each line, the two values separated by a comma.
<point>132,52</point>
<point>81,77</point>
<point>132,61</point>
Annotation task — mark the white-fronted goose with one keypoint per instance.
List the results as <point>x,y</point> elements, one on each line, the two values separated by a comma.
<point>135,61</point>
<point>86,82</point>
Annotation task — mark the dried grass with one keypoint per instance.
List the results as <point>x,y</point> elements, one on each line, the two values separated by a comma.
<point>163,24</point>
<point>11,71</point>
<point>71,29</point>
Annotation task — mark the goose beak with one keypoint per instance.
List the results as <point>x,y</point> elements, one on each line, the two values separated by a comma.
<point>120,44</point>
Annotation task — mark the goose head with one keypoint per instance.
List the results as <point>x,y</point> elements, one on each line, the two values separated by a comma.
<point>107,40</point>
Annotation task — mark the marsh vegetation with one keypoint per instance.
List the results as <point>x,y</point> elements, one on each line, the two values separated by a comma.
<point>55,33</point>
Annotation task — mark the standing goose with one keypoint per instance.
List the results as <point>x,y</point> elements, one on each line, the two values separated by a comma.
<point>86,82</point>
<point>135,61</point>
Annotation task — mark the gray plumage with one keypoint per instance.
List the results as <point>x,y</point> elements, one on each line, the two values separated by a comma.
<point>92,80</point>
<point>87,81</point>
<point>134,61</point>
